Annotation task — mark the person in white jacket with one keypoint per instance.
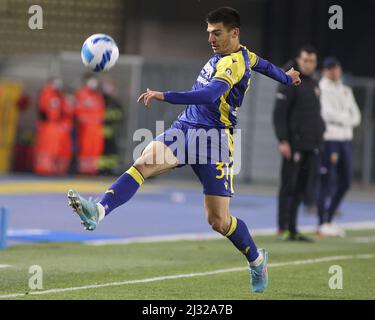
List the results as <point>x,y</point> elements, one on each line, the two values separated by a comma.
<point>341,114</point>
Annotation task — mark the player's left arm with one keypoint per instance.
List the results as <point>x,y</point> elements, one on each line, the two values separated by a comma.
<point>263,66</point>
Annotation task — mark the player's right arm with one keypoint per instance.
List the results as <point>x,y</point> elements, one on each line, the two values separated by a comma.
<point>228,73</point>
<point>206,95</point>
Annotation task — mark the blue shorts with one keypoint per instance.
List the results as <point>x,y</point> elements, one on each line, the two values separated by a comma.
<point>209,151</point>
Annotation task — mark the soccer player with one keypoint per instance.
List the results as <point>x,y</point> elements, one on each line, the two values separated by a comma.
<point>212,104</point>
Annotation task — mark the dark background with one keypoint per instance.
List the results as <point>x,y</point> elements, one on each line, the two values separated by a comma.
<point>174,30</point>
<point>272,28</point>
<point>290,23</point>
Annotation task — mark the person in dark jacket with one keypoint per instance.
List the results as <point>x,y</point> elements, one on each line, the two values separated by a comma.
<point>299,129</point>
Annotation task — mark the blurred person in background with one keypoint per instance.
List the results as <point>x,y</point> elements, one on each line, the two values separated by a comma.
<point>113,128</point>
<point>89,110</point>
<point>49,134</point>
<point>65,148</point>
<point>299,129</point>
<point>341,114</point>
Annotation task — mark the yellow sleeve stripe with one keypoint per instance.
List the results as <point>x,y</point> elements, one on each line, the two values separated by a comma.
<point>233,226</point>
<point>137,176</point>
<point>253,64</point>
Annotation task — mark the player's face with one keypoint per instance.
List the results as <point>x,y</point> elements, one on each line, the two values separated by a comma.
<point>221,39</point>
<point>307,63</point>
<point>333,73</point>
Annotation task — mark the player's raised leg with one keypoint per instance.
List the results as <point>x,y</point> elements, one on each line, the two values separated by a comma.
<point>217,210</point>
<point>157,158</point>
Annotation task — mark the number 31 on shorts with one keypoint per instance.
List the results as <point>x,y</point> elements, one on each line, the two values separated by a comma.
<point>220,167</point>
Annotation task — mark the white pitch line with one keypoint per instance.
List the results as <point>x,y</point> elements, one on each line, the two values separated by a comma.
<point>364,239</point>
<point>187,275</point>
<point>3,266</point>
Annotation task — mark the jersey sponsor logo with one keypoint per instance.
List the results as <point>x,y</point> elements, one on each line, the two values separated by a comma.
<point>207,71</point>
<point>203,80</point>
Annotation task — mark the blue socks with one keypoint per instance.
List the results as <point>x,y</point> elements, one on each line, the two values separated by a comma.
<point>239,235</point>
<point>122,190</point>
<point>127,185</point>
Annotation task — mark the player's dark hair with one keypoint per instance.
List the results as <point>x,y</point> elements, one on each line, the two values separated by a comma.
<point>306,48</point>
<point>227,15</point>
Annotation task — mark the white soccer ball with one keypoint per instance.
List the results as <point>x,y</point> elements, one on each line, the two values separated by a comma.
<point>99,52</point>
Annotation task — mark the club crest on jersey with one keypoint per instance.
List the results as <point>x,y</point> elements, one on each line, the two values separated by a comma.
<point>228,72</point>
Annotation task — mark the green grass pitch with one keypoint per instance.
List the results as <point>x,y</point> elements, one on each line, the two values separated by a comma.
<point>69,266</point>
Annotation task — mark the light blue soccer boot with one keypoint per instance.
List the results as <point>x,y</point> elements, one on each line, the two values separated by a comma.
<point>259,274</point>
<point>86,209</point>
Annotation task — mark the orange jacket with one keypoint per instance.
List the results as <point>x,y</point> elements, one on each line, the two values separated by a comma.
<point>67,115</point>
<point>90,106</point>
<point>50,103</point>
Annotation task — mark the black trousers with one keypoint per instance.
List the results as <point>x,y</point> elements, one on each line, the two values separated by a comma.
<point>298,176</point>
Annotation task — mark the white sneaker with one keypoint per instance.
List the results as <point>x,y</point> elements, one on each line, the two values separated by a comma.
<point>328,230</point>
<point>339,231</point>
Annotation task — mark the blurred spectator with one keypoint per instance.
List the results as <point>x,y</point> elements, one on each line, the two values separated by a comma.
<point>52,142</point>
<point>65,148</point>
<point>89,111</point>
<point>299,128</point>
<point>340,113</point>
<point>113,128</point>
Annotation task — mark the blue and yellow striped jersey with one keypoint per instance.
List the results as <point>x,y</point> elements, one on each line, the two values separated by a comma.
<point>233,69</point>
